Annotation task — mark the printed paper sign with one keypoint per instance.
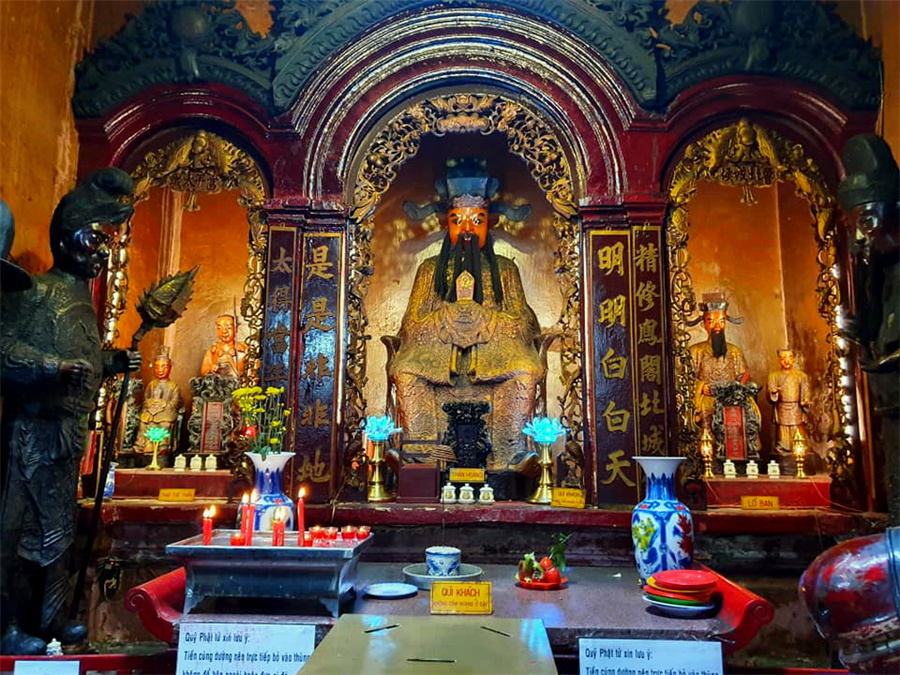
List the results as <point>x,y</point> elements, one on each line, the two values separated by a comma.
<point>461,597</point>
<point>244,648</point>
<point>761,502</point>
<point>648,657</point>
<point>176,494</point>
<point>568,498</point>
<point>466,475</point>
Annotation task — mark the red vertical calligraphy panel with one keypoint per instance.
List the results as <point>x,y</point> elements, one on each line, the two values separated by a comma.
<point>316,426</point>
<point>280,290</point>
<point>649,335</point>
<point>611,356</point>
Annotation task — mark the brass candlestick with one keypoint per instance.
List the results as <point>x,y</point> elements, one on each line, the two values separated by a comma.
<point>377,491</point>
<point>154,464</point>
<point>544,492</point>
<point>798,446</point>
<point>706,450</point>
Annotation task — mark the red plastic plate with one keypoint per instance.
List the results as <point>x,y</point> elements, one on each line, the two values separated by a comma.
<point>683,580</point>
<point>698,598</point>
<point>541,585</point>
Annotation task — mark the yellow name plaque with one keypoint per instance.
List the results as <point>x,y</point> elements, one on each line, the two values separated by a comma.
<point>176,494</point>
<point>466,475</point>
<point>759,503</point>
<point>568,498</point>
<point>461,597</point>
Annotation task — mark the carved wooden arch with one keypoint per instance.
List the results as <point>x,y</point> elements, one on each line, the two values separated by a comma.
<point>199,162</point>
<point>745,155</point>
<point>531,139</point>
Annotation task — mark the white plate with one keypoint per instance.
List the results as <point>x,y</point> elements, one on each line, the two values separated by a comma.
<point>679,611</point>
<point>390,590</point>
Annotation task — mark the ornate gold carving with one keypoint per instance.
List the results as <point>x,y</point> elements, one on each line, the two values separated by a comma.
<point>529,138</point>
<point>200,163</point>
<point>745,155</point>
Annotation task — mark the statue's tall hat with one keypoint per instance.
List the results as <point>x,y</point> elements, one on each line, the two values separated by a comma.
<point>713,302</point>
<point>872,173</point>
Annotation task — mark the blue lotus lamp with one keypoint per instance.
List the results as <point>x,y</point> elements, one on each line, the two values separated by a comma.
<point>378,429</point>
<point>544,431</point>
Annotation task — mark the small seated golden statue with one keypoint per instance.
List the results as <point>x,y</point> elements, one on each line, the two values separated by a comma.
<point>227,357</point>
<point>724,396</point>
<point>788,390</point>
<point>468,333</point>
<point>161,407</point>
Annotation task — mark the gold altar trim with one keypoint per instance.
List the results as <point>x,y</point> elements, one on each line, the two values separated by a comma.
<point>747,155</point>
<point>531,139</point>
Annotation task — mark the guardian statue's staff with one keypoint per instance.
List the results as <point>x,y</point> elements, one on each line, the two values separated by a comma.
<point>52,365</point>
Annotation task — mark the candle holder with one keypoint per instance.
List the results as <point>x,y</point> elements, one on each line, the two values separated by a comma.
<point>706,451</point>
<point>544,432</point>
<point>378,429</point>
<point>156,435</point>
<point>544,492</point>
<point>798,446</point>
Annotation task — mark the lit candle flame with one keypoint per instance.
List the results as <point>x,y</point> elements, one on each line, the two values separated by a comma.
<point>302,493</point>
<point>245,499</point>
<point>254,496</point>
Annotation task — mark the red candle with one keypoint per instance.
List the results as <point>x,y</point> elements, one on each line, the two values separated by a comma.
<point>207,525</point>
<point>237,539</point>
<point>251,519</point>
<point>278,526</point>
<point>362,531</point>
<point>245,504</point>
<point>306,539</point>
<point>348,532</point>
<point>331,533</point>
<point>301,516</point>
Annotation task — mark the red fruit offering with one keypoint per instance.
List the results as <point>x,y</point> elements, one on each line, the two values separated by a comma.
<point>684,580</point>
<point>551,575</point>
<point>546,563</point>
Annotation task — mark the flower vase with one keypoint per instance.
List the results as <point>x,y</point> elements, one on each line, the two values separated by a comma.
<point>268,486</point>
<point>661,526</point>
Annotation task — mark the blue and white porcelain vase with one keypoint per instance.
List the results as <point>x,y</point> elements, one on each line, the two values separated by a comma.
<point>268,486</point>
<point>661,526</point>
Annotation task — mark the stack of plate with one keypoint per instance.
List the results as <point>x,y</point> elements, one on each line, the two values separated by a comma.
<point>681,593</point>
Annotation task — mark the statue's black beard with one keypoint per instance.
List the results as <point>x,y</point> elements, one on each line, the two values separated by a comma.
<point>718,343</point>
<point>467,258</point>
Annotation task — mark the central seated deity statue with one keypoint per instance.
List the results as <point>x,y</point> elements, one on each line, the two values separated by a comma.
<point>468,333</point>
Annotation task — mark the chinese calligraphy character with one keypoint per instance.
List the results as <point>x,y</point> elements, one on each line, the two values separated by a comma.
<point>283,262</point>
<point>650,405</point>
<point>610,259</point>
<point>612,310</point>
<point>317,369</point>
<point>314,471</point>
<point>281,299</point>
<point>319,314</point>
<point>615,466</point>
<point>652,442</point>
<point>279,336</point>
<point>646,294</point>
<point>650,369</point>
<point>315,416</point>
<point>276,372</point>
<point>614,366</point>
<point>616,420</point>
<point>646,258</point>
<point>647,334</point>
<point>320,265</point>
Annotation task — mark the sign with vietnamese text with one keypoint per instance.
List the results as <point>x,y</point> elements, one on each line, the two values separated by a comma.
<point>463,475</point>
<point>648,657</point>
<point>568,498</point>
<point>759,503</point>
<point>461,597</point>
<point>244,648</point>
<point>176,494</point>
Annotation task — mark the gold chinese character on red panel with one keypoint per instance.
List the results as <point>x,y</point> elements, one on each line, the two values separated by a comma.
<point>320,265</point>
<point>646,258</point>
<point>612,310</point>
<point>614,366</point>
<point>316,415</point>
<point>319,314</point>
<point>610,259</point>
<point>615,467</point>
<point>616,418</point>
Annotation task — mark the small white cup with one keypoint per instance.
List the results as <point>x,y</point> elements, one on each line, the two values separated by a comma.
<point>442,561</point>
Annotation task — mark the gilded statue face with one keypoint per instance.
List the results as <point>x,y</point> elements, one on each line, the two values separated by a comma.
<point>468,220</point>
<point>225,329</point>
<point>162,368</point>
<point>714,322</point>
<point>786,359</point>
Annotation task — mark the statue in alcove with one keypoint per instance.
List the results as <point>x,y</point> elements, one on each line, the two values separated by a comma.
<point>724,397</point>
<point>788,390</point>
<point>161,407</point>
<point>468,333</point>
<point>227,357</point>
<point>52,367</point>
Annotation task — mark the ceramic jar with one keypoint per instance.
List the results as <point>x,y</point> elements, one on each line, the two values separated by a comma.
<point>661,526</point>
<point>466,494</point>
<point>448,494</point>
